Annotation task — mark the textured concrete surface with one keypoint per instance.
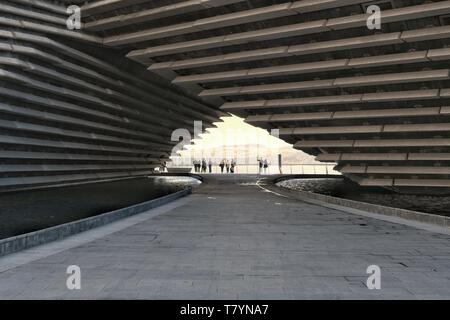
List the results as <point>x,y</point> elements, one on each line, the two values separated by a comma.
<point>233,240</point>
<point>436,222</point>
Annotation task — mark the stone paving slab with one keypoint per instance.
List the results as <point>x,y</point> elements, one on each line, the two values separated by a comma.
<point>233,240</point>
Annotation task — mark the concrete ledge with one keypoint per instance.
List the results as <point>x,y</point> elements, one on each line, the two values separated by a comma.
<point>29,240</point>
<point>421,217</point>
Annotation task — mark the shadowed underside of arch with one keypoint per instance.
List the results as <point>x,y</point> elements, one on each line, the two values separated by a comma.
<point>374,101</point>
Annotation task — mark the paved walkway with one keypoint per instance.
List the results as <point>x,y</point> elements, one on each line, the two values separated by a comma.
<point>233,240</point>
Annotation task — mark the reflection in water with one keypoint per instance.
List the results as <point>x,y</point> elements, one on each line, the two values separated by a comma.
<point>343,188</point>
<point>175,181</point>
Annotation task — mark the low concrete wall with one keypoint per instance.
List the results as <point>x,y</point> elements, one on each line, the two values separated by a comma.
<point>29,240</point>
<point>433,219</point>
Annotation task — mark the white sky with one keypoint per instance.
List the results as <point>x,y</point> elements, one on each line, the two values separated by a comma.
<point>233,131</point>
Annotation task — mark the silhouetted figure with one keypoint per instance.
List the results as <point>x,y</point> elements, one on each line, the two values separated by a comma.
<point>232,166</point>
<point>227,165</point>
<point>203,166</point>
<point>260,166</point>
<point>222,165</point>
<point>210,164</point>
<point>266,166</point>
<point>197,166</point>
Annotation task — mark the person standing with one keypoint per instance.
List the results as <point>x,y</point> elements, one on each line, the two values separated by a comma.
<point>227,165</point>
<point>233,166</point>
<point>210,164</point>
<point>260,165</point>
<point>222,165</point>
<point>204,166</point>
<point>266,166</point>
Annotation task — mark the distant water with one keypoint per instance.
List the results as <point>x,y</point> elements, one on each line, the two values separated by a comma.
<point>343,188</point>
<point>28,211</point>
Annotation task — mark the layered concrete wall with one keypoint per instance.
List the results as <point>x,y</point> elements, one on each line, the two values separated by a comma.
<point>72,110</point>
<point>374,101</point>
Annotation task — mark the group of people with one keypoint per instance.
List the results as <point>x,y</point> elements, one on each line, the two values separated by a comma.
<point>201,166</point>
<point>228,166</point>
<point>263,166</point>
<point>204,166</point>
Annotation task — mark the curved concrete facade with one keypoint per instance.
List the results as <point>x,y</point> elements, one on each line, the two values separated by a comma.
<point>72,110</point>
<point>374,101</point>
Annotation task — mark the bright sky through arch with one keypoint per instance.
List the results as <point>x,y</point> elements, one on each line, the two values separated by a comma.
<point>234,131</point>
<point>234,138</point>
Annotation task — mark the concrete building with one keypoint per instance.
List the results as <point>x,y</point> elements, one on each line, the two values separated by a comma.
<point>81,105</point>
